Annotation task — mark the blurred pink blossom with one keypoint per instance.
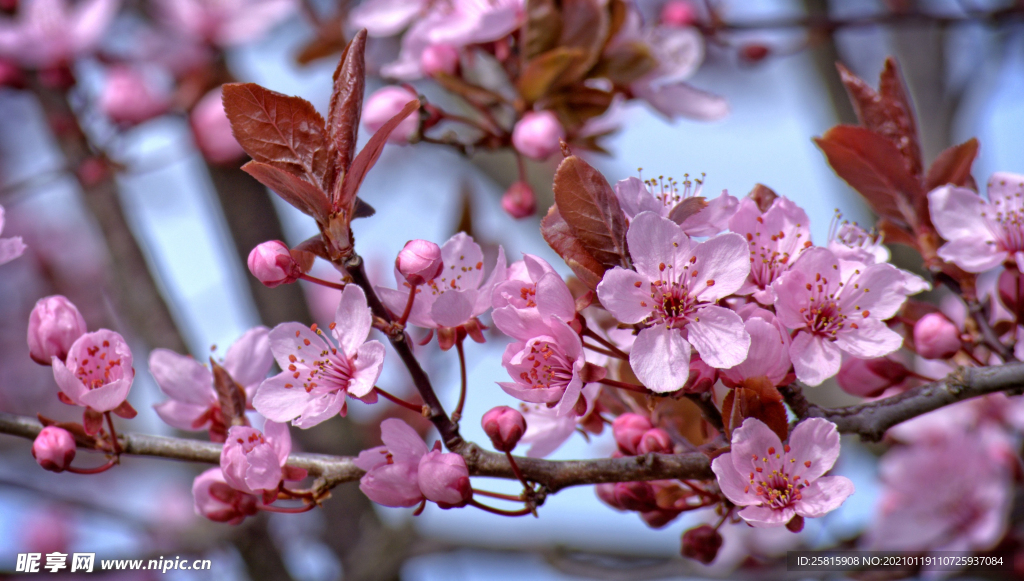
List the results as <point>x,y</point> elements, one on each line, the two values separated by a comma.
<point>129,96</point>
<point>54,449</point>
<point>216,500</point>
<point>537,134</point>
<point>384,104</point>
<point>53,326</point>
<point>10,248</point>
<point>981,235</point>
<point>49,33</point>
<point>212,130</point>
<point>224,22</point>
<point>252,461</point>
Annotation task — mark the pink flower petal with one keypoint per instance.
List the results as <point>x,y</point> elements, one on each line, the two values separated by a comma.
<point>279,403</point>
<point>733,484</point>
<point>661,359</point>
<point>872,338</point>
<point>973,253</point>
<point>393,485</point>
<point>813,440</point>
<point>182,378</point>
<point>402,441</point>
<point>723,264</point>
<point>181,415</point>
<point>713,218</point>
<point>762,517</point>
<point>814,359</point>
<point>322,408</point>
<point>279,438</point>
<point>626,294</point>
<point>249,359</point>
<point>654,241</point>
<point>453,307</point>
<point>719,336</point>
<point>957,213</point>
<point>823,496</point>
<point>353,320</point>
<point>368,366</point>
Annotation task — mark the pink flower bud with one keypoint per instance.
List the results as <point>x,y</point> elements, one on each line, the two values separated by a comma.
<point>935,337</point>
<point>637,496</point>
<point>869,377</point>
<point>272,263</point>
<point>537,134</point>
<point>701,543</point>
<point>53,326</point>
<point>628,430</point>
<point>439,58</point>
<point>250,461</point>
<point>753,53</point>
<point>656,440</point>
<point>419,261</point>
<point>606,492</point>
<point>678,13</point>
<point>519,200</point>
<point>659,518</point>
<point>1011,290</point>
<point>217,501</point>
<point>504,425</point>
<point>54,449</point>
<point>129,97</point>
<point>212,130</point>
<point>384,104</point>
<point>444,479</point>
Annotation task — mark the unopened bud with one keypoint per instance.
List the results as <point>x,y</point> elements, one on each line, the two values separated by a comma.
<point>53,326</point>
<point>54,449</point>
<point>504,426</point>
<point>753,53</point>
<point>636,496</point>
<point>628,430</point>
<point>538,134</point>
<point>678,13</point>
<point>936,337</point>
<point>795,524</point>
<point>439,58</point>
<point>606,492</point>
<point>384,104</point>
<point>701,543</point>
<point>419,261</point>
<point>444,479</point>
<point>212,130</point>
<point>1011,290</point>
<point>272,263</point>
<point>869,377</point>
<point>519,200</point>
<point>656,440</point>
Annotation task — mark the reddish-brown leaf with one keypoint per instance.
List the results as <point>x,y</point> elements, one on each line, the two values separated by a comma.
<point>542,27</point>
<point>686,208</point>
<point>585,26</point>
<point>278,130</point>
<point>542,72</point>
<point>872,165</point>
<point>308,198</point>
<point>347,99</point>
<point>759,400</point>
<point>559,236</point>
<point>953,166</point>
<point>887,111</point>
<point>588,205</point>
<point>230,395</point>
<point>354,175</point>
<point>763,196</point>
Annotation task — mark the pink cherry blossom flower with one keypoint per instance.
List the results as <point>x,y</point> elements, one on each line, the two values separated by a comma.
<point>98,372</point>
<point>54,449</point>
<point>212,130</point>
<point>532,294</point>
<point>870,377</point>
<point>667,201</point>
<point>674,290</point>
<point>853,243</point>
<point>10,248</point>
<point>547,368</point>
<point>460,293</point>
<point>384,104</point>
<point>224,22</point>
<point>252,461</point>
<point>775,483</point>
<point>547,430</point>
<point>946,495</point>
<point>216,500</point>
<point>386,17</point>
<point>129,96</point>
<point>318,376</point>
<point>628,429</point>
<point>678,13</point>
<point>776,238</point>
<point>835,310</point>
<point>392,470</point>
<point>50,32</point>
<point>768,358</point>
<point>190,385</point>
<point>53,326</point>
<point>936,337</point>
<point>439,59</point>
<point>443,478</point>
<point>981,235</point>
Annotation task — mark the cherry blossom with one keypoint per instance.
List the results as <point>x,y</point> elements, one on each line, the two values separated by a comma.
<point>190,384</point>
<point>216,500</point>
<point>49,33</point>
<point>98,372</point>
<point>767,361</point>
<point>129,96</point>
<point>224,22</point>
<point>936,337</point>
<point>532,295</point>
<point>776,482</point>
<point>252,461</point>
<point>519,201</point>
<point>776,238</point>
<point>853,243</point>
<point>317,376</point>
<point>837,309</point>
<point>981,235</point>
<point>384,104</point>
<point>694,218</point>
<point>404,473</point>
<point>547,429</point>
<point>455,297</point>
<point>273,264</point>
<point>419,261</point>
<point>212,130</point>
<point>10,248</point>
<point>546,368</point>
<point>53,326</point>
<point>504,426</point>
<point>54,449</point>
<point>673,291</point>
<point>945,495</point>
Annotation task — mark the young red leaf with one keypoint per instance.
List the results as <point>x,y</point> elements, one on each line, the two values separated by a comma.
<point>872,165</point>
<point>585,26</point>
<point>278,130</point>
<point>541,73</point>
<point>686,208</point>
<point>347,99</point>
<point>588,205</point>
<point>559,236</point>
<point>308,198</point>
<point>953,166</point>
<point>887,111</point>
<point>542,27</point>
<point>763,196</point>
<point>345,194</point>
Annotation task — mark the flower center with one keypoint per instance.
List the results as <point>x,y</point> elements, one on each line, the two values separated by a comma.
<point>329,371</point>
<point>1007,225</point>
<point>674,303</point>
<point>778,488</point>
<point>548,366</point>
<point>100,367</point>
<point>249,444</point>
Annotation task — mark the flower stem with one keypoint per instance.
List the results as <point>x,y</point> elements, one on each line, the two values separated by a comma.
<point>102,468</point>
<point>499,495</point>
<point>287,509</point>
<point>516,471</point>
<point>398,400</point>
<point>408,307</point>
<point>322,282</point>
<point>602,341</point>
<point>457,414</point>
<point>603,351</point>
<point>113,434</point>
<point>521,512</point>
<point>624,385</point>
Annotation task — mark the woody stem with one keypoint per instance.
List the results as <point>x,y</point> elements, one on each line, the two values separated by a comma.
<point>623,385</point>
